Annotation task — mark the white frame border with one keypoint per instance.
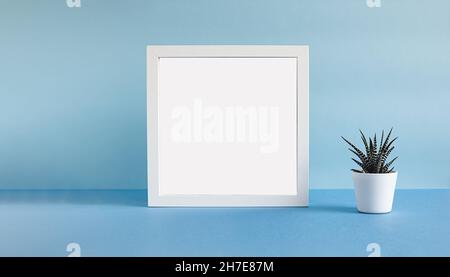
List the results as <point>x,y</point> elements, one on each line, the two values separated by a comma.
<point>301,52</point>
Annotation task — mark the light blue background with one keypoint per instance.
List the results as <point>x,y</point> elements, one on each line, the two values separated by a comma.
<point>73,85</point>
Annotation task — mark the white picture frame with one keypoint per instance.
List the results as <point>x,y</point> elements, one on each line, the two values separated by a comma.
<point>169,66</point>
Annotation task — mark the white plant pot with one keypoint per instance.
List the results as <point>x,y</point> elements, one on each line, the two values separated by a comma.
<point>374,192</point>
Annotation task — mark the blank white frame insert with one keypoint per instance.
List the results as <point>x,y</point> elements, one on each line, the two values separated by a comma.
<point>227,125</point>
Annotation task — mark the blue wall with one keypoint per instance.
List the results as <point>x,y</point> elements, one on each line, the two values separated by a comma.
<point>72,82</point>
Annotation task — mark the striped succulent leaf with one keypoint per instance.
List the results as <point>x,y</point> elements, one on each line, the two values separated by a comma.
<point>374,160</point>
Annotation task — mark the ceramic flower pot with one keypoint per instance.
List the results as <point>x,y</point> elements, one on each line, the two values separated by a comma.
<point>374,191</point>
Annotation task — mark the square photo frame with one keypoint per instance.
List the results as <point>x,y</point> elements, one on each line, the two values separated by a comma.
<point>228,125</point>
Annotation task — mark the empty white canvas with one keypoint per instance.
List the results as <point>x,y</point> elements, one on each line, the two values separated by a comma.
<point>227,126</point>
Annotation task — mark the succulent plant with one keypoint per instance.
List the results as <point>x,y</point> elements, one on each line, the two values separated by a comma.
<point>374,160</point>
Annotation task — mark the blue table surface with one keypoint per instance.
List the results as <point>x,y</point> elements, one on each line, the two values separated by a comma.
<point>118,223</point>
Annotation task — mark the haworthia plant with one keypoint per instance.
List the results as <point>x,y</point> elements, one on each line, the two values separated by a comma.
<point>374,160</point>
